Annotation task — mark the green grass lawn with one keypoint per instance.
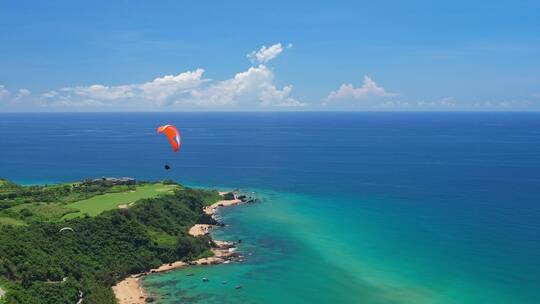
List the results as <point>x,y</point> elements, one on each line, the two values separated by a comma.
<point>97,204</point>
<point>11,221</point>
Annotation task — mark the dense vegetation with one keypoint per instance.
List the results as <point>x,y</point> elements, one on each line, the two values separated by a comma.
<point>12,194</point>
<point>26,204</point>
<point>40,264</point>
<point>20,205</point>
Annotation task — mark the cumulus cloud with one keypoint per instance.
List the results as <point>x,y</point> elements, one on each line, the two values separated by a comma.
<point>249,89</point>
<point>163,88</point>
<point>10,98</point>
<point>158,90</point>
<point>368,89</point>
<point>98,92</point>
<point>50,94</point>
<point>253,87</point>
<point>254,84</point>
<point>265,54</point>
<point>4,93</point>
<point>23,92</point>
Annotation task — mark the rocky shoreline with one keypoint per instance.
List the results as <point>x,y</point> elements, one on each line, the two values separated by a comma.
<point>130,291</point>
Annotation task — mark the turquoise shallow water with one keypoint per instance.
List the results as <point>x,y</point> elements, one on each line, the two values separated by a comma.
<point>356,207</point>
<point>337,254</point>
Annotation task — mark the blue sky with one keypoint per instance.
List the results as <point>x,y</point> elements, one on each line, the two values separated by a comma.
<point>209,56</point>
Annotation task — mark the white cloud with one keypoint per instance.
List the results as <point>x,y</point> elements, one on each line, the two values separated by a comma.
<point>275,97</point>
<point>24,92</point>
<point>264,54</point>
<point>368,89</point>
<point>99,92</point>
<point>254,84</point>
<point>4,93</point>
<point>163,88</point>
<point>536,95</point>
<point>497,105</point>
<point>157,91</point>
<point>447,102</point>
<point>395,104</point>
<point>50,94</point>
<point>248,89</point>
<point>253,87</point>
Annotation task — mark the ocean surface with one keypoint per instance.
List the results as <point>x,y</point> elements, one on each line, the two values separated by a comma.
<point>354,207</point>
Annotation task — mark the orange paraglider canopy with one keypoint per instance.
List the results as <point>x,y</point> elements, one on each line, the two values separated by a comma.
<point>173,135</point>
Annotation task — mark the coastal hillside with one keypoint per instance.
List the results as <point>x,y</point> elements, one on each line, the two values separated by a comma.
<point>64,243</point>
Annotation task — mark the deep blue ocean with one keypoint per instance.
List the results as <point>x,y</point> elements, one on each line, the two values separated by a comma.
<point>355,207</point>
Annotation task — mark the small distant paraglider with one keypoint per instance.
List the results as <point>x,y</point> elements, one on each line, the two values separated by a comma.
<point>67,229</point>
<point>172,133</point>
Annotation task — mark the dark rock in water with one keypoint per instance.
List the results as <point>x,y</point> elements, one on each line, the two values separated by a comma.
<point>238,286</point>
<point>150,300</point>
<point>239,241</point>
<point>207,219</point>
<point>190,274</point>
<point>204,279</point>
<point>224,245</point>
<point>167,167</point>
<point>242,198</point>
<point>228,196</point>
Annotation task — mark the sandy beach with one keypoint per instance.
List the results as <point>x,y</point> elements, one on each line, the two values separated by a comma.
<point>224,203</point>
<point>129,291</point>
<point>199,229</point>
